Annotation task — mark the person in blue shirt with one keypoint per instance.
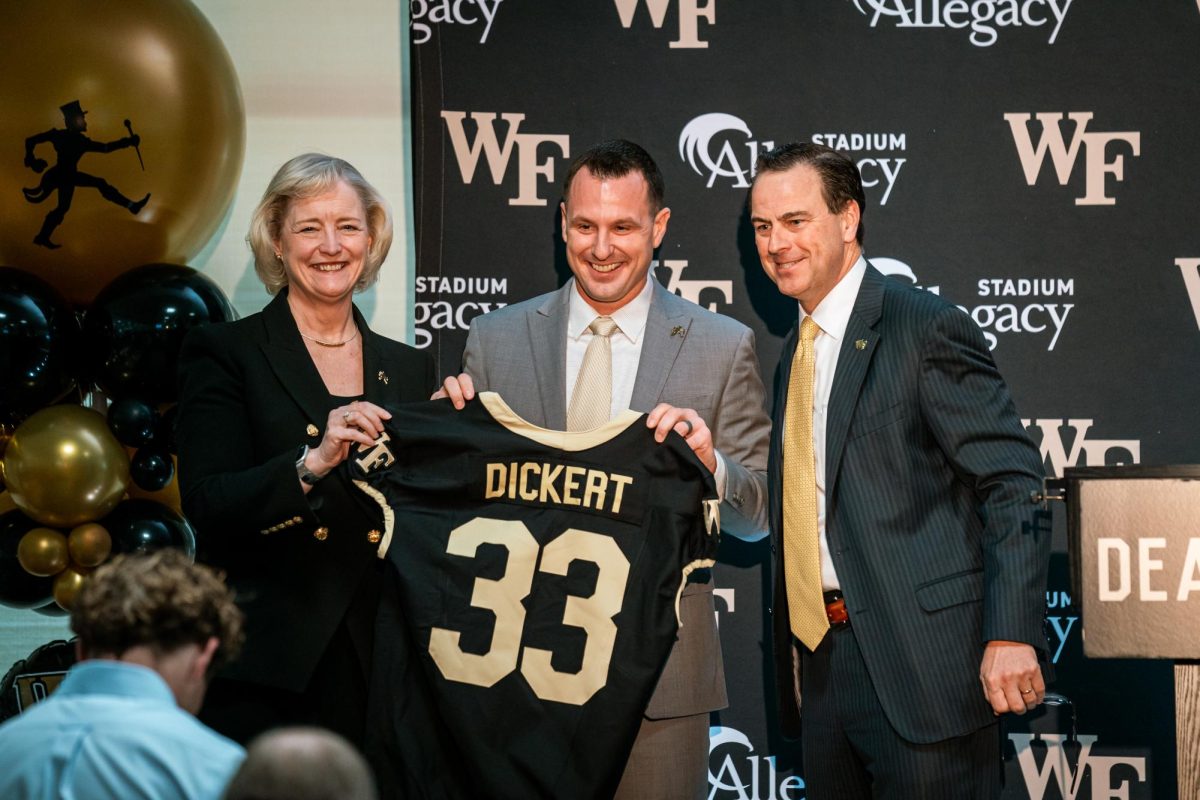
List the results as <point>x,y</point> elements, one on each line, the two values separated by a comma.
<point>152,629</point>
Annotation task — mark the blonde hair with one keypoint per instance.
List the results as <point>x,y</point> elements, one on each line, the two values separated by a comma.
<point>306,176</point>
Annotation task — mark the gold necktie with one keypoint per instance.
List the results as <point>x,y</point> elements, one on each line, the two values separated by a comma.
<point>591,402</point>
<point>801,552</point>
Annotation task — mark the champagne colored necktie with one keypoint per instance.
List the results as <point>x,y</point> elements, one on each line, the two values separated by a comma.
<point>591,401</point>
<point>801,552</point>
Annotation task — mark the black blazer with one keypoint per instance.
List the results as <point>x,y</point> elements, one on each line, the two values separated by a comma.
<point>931,529</point>
<point>250,397</point>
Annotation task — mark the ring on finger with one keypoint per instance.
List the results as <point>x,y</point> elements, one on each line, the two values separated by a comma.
<point>690,427</point>
<point>346,416</point>
<point>1027,691</point>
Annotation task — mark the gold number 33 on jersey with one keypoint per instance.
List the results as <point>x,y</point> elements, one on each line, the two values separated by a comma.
<point>504,598</point>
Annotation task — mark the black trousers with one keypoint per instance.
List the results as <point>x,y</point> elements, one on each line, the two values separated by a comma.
<point>851,751</point>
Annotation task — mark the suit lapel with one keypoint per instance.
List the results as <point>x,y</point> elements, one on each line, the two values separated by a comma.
<point>660,346</point>
<point>775,459</point>
<point>291,363</point>
<point>548,346</point>
<point>852,367</point>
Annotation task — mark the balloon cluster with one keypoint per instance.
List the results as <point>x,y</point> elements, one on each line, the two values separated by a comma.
<point>66,467</point>
<point>156,187</point>
<point>67,475</point>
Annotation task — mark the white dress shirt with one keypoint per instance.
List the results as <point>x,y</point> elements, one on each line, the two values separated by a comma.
<point>832,315</point>
<point>626,343</point>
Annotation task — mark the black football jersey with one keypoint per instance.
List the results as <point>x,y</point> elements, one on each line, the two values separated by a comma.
<point>531,600</point>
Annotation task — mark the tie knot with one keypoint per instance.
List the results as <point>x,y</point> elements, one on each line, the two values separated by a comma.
<point>603,326</point>
<point>808,329</point>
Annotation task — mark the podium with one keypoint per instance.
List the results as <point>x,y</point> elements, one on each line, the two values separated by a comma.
<point>1134,540</point>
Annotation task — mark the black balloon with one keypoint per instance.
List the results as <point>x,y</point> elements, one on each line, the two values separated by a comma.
<point>152,468</point>
<point>52,610</point>
<point>37,335</point>
<point>136,326</point>
<point>19,589</point>
<point>133,422</point>
<point>142,526</point>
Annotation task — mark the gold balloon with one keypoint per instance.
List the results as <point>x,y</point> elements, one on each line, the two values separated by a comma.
<point>89,544</point>
<point>67,584</point>
<point>63,467</point>
<point>43,552</point>
<point>158,64</point>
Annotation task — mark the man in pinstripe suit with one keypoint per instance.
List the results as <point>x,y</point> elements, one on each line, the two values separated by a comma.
<point>907,499</point>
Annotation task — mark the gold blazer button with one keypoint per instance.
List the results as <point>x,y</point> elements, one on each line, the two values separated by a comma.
<point>312,429</point>
<point>321,533</point>
<point>374,536</point>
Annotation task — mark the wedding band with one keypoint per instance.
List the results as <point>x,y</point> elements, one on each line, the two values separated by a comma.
<point>1027,691</point>
<point>687,422</point>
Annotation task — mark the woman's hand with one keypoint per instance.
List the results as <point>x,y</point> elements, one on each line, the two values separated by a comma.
<point>359,422</point>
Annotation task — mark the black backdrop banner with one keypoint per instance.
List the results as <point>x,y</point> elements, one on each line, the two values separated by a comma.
<point>1033,161</point>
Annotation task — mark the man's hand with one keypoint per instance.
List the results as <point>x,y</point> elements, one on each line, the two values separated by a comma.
<point>1011,678</point>
<point>687,423</point>
<point>459,389</point>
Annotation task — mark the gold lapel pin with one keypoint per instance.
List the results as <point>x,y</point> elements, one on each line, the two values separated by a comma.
<point>383,377</point>
<point>311,430</point>
<point>860,344</point>
<point>677,330</point>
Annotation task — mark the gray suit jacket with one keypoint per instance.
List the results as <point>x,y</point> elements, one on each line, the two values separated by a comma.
<point>520,352</point>
<point>936,543</point>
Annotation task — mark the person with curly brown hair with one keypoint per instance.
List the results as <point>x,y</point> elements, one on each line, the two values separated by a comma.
<point>152,630</point>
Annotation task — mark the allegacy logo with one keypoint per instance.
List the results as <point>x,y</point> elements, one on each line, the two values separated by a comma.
<point>1021,305</point>
<point>450,12</point>
<point>719,145</point>
<point>736,772</point>
<point>983,17</point>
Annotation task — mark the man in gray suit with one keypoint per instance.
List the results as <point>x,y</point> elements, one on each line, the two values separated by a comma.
<point>912,560</point>
<point>695,372</point>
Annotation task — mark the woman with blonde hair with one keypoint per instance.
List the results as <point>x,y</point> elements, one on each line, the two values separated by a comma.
<point>269,406</point>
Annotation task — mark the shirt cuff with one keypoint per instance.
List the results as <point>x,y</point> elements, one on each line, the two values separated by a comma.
<point>720,477</point>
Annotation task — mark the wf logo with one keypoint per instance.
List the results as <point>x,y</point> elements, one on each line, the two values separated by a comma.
<point>1065,156</point>
<point>1084,451</point>
<point>692,289</point>
<point>690,12</point>
<point>1056,767</point>
<point>1190,267</point>
<point>498,155</point>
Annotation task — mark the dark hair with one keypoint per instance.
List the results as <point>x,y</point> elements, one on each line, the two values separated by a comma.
<point>840,179</point>
<point>162,600</point>
<point>616,158</point>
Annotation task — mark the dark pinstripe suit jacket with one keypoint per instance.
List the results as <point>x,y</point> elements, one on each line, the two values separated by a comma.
<point>928,511</point>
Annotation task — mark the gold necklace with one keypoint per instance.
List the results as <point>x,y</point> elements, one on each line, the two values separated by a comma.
<point>342,343</point>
